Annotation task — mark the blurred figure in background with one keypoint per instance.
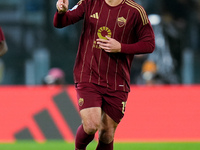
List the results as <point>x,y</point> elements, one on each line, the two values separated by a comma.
<point>55,76</point>
<point>149,71</point>
<point>161,61</point>
<point>176,26</point>
<point>150,75</point>
<point>159,67</point>
<point>162,56</point>
<point>178,23</point>
<point>3,45</point>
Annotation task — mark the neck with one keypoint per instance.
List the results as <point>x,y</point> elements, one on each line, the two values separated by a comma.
<point>113,2</point>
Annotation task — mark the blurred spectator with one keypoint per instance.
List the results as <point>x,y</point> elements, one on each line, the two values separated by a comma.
<point>177,18</point>
<point>161,57</point>
<point>55,76</point>
<point>158,67</point>
<point>136,68</point>
<point>150,74</point>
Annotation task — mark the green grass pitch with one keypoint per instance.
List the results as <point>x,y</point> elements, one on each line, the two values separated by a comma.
<point>61,145</point>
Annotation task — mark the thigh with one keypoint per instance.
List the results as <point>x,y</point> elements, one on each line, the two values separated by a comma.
<point>107,123</point>
<point>90,101</point>
<point>91,115</point>
<point>91,119</point>
<point>88,96</point>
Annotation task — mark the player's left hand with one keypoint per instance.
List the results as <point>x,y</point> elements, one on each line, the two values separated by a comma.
<point>110,45</point>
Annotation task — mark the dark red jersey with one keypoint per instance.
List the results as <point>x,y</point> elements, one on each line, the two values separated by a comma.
<point>127,23</point>
<point>2,38</point>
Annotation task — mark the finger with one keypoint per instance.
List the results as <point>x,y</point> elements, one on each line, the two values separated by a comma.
<point>102,40</point>
<point>58,5</point>
<point>103,44</point>
<point>107,50</point>
<point>105,47</point>
<point>60,2</point>
<point>65,5</point>
<point>109,38</point>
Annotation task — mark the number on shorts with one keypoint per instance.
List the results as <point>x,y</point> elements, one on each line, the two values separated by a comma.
<point>123,107</point>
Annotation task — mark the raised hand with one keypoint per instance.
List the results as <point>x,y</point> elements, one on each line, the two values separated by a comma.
<point>62,6</point>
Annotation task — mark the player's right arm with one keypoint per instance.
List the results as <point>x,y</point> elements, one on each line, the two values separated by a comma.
<point>64,17</point>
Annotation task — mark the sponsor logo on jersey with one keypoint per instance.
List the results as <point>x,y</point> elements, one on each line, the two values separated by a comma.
<point>103,32</point>
<point>121,21</point>
<point>95,45</point>
<point>95,15</point>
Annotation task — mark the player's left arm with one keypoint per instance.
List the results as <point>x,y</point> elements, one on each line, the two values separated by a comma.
<point>145,37</point>
<point>145,44</point>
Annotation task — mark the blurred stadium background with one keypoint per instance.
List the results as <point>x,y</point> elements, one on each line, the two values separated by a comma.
<point>35,47</point>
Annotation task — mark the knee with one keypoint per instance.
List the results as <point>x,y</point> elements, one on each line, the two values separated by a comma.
<point>90,127</point>
<point>106,136</point>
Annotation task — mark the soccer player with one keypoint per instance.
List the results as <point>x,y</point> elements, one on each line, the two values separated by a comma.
<point>113,32</point>
<point>3,45</point>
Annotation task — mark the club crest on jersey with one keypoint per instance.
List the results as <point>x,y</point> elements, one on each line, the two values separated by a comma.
<point>81,101</point>
<point>121,21</point>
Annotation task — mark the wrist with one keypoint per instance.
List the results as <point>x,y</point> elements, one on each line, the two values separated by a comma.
<point>120,48</point>
<point>60,12</point>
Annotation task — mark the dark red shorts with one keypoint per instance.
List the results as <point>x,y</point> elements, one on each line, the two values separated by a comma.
<point>112,102</point>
